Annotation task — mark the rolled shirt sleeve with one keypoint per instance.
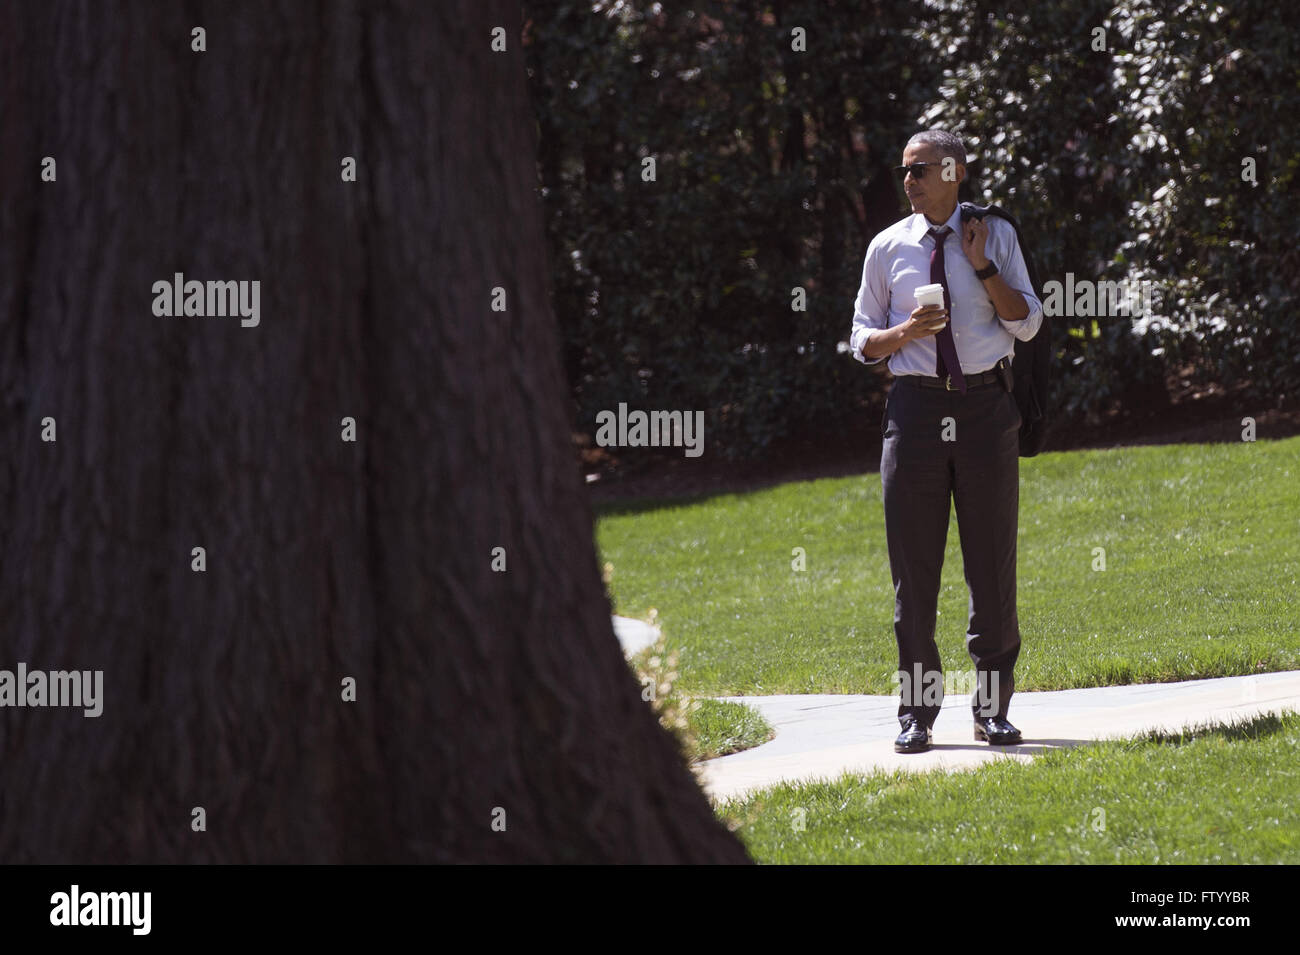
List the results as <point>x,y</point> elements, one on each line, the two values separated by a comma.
<point>871,308</point>
<point>1011,263</point>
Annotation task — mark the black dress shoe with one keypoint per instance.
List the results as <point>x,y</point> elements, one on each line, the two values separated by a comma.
<point>998,732</point>
<point>915,738</point>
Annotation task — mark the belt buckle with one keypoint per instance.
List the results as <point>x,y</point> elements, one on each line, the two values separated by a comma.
<point>947,383</point>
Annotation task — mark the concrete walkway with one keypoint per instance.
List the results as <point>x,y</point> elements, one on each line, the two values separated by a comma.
<point>821,737</point>
<point>634,635</point>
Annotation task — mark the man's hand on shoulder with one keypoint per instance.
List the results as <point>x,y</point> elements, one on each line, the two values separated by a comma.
<point>974,235</point>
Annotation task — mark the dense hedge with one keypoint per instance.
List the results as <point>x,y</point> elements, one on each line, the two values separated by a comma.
<point>772,173</point>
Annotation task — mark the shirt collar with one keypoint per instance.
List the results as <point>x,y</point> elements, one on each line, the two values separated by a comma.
<point>920,225</point>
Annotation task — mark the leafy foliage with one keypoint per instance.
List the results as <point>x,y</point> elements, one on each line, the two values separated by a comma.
<point>772,173</point>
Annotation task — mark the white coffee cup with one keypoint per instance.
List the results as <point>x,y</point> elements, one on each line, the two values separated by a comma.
<point>930,295</point>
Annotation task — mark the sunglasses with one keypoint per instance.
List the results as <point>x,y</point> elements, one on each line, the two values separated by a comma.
<point>917,169</point>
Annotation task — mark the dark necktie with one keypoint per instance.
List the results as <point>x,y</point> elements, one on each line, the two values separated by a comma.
<point>946,349</point>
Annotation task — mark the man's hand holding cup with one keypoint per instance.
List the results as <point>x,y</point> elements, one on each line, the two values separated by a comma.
<point>929,317</point>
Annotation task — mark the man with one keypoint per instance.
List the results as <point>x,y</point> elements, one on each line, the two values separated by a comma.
<point>950,429</point>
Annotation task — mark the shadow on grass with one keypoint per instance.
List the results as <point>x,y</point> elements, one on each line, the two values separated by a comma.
<point>612,507</point>
<point>1250,728</point>
<point>1029,747</point>
<point>1258,727</point>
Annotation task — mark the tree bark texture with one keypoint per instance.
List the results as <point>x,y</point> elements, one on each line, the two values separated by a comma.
<point>477,691</point>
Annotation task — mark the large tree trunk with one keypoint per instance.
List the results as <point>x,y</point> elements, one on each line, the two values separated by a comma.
<point>325,559</point>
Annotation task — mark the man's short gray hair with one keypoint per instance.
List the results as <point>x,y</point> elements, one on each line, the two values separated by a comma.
<point>947,143</point>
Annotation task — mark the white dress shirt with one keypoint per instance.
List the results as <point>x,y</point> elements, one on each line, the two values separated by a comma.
<point>898,263</point>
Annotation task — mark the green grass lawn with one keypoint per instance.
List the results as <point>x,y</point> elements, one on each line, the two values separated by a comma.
<point>721,727</point>
<point>1224,795</point>
<point>1202,553</point>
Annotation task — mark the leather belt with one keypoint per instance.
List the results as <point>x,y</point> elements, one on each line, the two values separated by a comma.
<point>980,379</point>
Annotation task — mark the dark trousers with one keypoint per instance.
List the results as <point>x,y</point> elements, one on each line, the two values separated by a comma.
<point>979,470</point>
